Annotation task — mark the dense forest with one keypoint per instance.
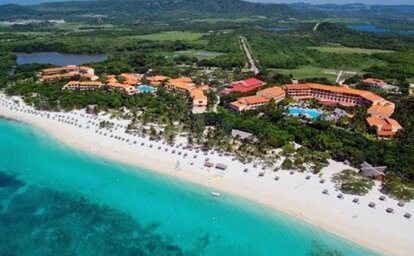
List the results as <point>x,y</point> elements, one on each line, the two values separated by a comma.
<point>149,10</point>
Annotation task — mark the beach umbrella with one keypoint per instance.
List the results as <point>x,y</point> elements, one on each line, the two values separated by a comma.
<point>390,210</point>
<point>308,177</point>
<point>325,191</point>
<point>322,181</point>
<point>401,204</point>
<point>407,215</point>
<point>291,172</point>
<point>382,198</point>
<point>340,196</point>
<point>277,178</point>
<point>371,204</point>
<point>246,170</point>
<point>261,174</point>
<point>355,200</point>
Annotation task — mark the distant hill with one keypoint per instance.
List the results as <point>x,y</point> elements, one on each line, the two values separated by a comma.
<point>360,10</point>
<point>155,9</point>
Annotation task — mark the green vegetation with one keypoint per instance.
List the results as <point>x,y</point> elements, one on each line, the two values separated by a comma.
<point>106,124</point>
<point>349,182</point>
<point>348,50</point>
<point>123,10</point>
<point>398,188</point>
<point>304,72</point>
<point>171,36</point>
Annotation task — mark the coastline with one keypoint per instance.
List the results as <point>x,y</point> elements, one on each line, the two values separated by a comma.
<point>292,194</point>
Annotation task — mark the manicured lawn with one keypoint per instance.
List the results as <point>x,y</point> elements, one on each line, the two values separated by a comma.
<point>200,54</point>
<point>348,50</point>
<point>172,36</point>
<point>309,72</point>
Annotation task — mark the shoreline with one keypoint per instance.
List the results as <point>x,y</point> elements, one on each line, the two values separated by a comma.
<point>292,194</point>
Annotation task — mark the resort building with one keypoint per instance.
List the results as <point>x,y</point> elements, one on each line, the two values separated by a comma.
<point>157,80</point>
<point>68,72</point>
<point>131,79</point>
<point>386,127</point>
<point>125,86</point>
<point>261,98</point>
<point>246,85</point>
<point>378,107</point>
<point>381,84</point>
<point>82,85</point>
<point>374,82</point>
<point>185,85</point>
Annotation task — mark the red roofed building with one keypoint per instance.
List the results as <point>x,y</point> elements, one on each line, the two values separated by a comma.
<point>246,85</point>
<point>386,127</point>
<point>375,82</point>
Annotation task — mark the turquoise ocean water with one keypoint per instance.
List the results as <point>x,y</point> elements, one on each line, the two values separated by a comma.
<point>55,200</point>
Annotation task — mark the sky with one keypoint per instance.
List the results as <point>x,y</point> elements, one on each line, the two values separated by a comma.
<point>411,2</point>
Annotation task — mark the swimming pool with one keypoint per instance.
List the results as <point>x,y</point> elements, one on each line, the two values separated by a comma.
<point>310,113</point>
<point>145,88</point>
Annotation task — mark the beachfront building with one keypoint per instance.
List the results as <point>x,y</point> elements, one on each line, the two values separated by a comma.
<point>261,98</point>
<point>68,72</point>
<point>378,107</point>
<point>243,86</point>
<point>242,135</point>
<point>82,85</point>
<point>372,172</point>
<point>186,86</point>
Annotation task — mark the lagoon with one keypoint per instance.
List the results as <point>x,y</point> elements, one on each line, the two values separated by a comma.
<point>56,58</point>
<point>56,200</point>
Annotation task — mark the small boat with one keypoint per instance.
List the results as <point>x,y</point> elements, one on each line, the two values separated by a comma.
<point>216,194</point>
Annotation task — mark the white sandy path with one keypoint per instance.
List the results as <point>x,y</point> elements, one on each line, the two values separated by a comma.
<point>390,234</point>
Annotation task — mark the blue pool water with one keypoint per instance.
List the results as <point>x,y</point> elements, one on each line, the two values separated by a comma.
<point>55,200</point>
<point>145,88</point>
<point>310,113</point>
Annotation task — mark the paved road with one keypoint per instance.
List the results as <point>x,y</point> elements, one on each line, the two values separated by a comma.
<point>217,103</point>
<point>252,64</point>
<point>338,77</point>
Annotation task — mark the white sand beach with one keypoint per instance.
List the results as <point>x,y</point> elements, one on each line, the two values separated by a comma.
<point>387,233</point>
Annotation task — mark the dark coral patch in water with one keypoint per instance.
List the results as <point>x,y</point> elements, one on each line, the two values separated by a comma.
<point>45,222</point>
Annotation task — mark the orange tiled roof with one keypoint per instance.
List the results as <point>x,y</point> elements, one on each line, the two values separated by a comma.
<point>156,80</point>
<point>394,123</point>
<point>131,79</point>
<point>88,83</point>
<point>296,86</point>
<point>184,83</point>
<point>272,92</point>
<point>386,126</point>
<point>250,100</point>
<point>198,94</point>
